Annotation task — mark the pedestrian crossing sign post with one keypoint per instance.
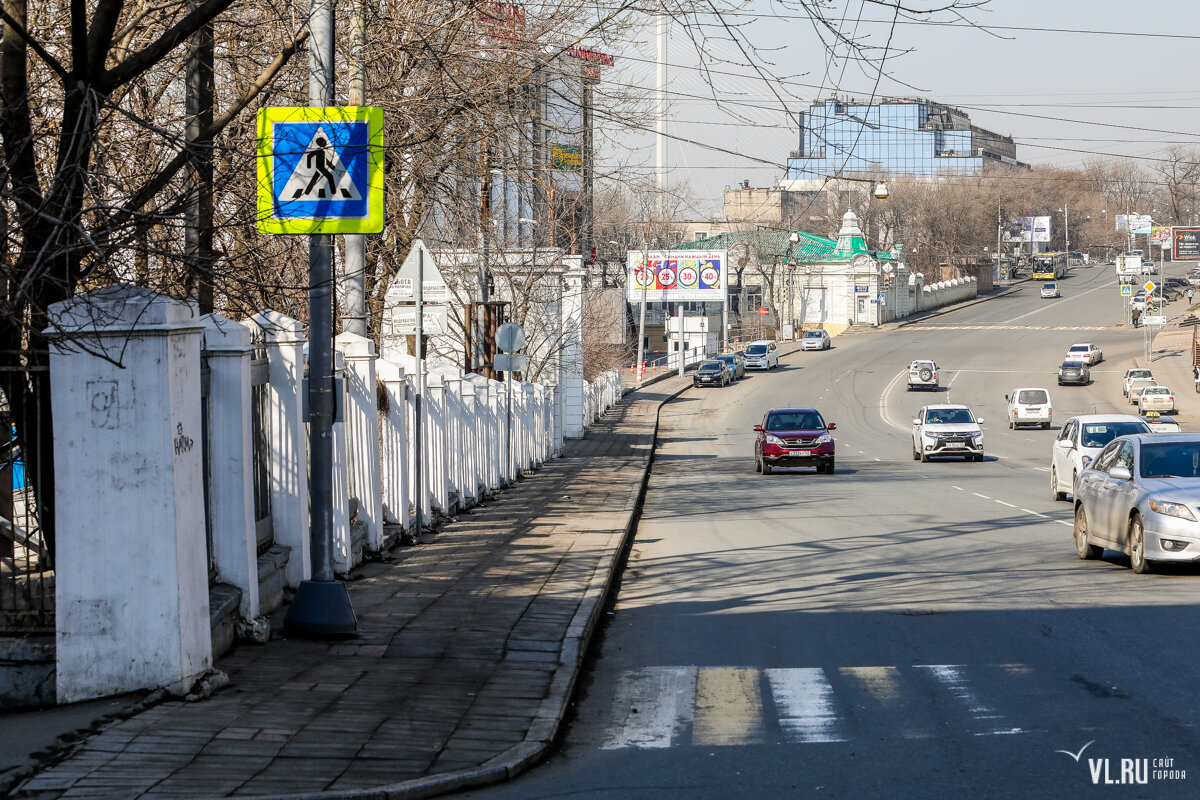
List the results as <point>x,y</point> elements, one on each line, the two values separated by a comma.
<point>320,170</point>
<point>1126,290</point>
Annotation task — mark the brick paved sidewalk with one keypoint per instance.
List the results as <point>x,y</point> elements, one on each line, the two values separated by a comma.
<point>467,653</point>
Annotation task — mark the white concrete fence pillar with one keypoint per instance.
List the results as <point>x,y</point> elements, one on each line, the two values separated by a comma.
<point>283,338</point>
<point>434,433</point>
<point>131,565</point>
<point>394,445</point>
<point>230,444</point>
<point>347,551</point>
<point>571,354</point>
<point>362,432</point>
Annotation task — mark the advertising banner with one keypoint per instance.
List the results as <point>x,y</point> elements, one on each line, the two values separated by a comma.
<point>1185,243</point>
<point>1140,223</point>
<point>1027,229</point>
<point>566,157</point>
<point>671,275</point>
<point>1160,236</point>
<point>1122,221</point>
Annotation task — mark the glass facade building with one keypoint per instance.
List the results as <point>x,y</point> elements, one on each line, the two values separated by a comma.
<point>919,138</point>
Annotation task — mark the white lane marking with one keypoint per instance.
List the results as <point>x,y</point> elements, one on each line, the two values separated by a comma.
<point>1035,513</point>
<point>729,707</point>
<point>959,488</point>
<point>1064,522</point>
<point>883,409</point>
<point>984,496</point>
<point>951,677</point>
<point>1001,502</point>
<point>652,706</point>
<point>1042,469</point>
<point>804,700</point>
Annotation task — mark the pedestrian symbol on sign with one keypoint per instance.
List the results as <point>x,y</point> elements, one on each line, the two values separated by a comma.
<point>320,174</point>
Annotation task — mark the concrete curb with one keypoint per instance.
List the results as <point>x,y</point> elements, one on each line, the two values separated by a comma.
<point>540,737</point>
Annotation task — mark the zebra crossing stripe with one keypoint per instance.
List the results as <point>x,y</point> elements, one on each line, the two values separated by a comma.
<point>951,677</point>
<point>729,708</point>
<point>882,683</point>
<point>804,701</point>
<point>654,705</point>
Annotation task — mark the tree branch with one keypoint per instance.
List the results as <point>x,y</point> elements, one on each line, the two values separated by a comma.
<point>147,57</point>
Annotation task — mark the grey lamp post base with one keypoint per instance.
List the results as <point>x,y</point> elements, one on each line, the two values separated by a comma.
<point>320,610</point>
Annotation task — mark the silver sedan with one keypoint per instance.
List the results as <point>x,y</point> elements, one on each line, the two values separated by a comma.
<point>1141,496</point>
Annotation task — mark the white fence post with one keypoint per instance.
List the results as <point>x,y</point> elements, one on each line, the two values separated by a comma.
<point>284,340</point>
<point>131,562</point>
<point>362,430</point>
<point>347,552</point>
<point>231,458</point>
<point>394,445</point>
<point>434,434</point>
<point>571,354</point>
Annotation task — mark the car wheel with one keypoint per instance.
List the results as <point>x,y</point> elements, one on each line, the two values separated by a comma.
<point>924,458</point>
<point>916,454</point>
<point>766,468</point>
<point>1074,482</point>
<point>1054,492</point>
<point>1137,546</point>
<point>979,457</point>
<point>757,465</point>
<point>1086,551</point>
<point>1045,426</point>
<point>1012,426</point>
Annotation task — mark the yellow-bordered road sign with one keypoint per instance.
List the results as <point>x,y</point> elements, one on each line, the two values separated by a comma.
<point>320,170</point>
<point>1150,287</point>
<point>1126,290</point>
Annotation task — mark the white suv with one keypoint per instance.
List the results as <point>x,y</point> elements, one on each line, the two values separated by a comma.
<point>762,355</point>
<point>947,430</point>
<point>1080,441</point>
<point>1133,374</point>
<point>922,375</point>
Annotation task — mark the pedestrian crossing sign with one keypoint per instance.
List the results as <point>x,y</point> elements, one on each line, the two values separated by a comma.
<point>1126,290</point>
<point>320,170</point>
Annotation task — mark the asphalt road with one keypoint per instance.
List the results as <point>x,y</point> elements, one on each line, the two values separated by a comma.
<point>898,629</point>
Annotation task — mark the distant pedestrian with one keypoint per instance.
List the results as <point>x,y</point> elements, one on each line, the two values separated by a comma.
<point>1191,294</point>
<point>1136,316</point>
<point>1196,377</point>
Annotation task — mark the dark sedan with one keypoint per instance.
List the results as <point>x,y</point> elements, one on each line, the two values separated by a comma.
<point>1074,372</point>
<point>712,373</point>
<point>736,362</point>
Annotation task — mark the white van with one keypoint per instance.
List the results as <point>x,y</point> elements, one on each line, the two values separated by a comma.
<point>1029,406</point>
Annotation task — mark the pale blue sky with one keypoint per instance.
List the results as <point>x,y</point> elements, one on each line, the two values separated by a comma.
<point>1009,81</point>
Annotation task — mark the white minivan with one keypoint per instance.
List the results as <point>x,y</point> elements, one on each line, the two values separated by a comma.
<point>1029,406</point>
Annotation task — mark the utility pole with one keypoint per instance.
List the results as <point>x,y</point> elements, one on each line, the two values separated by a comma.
<point>321,606</point>
<point>354,310</point>
<point>198,235</point>
<point>661,136</point>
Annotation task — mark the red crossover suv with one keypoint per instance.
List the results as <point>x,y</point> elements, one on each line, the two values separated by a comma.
<point>793,437</point>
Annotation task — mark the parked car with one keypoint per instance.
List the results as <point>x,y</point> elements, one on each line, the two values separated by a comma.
<point>947,430</point>
<point>736,362</point>
<point>713,372</point>
<point>816,339</point>
<point>1074,372</point>
<point>1029,407</point>
<point>762,355</point>
<point>1085,352</point>
<point>1050,290</point>
<point>794,437</point>
<point>1156,398</point>
<point>1160,424</point>
<point>1136,387</point>
<point>1080,440</point>
<point>1138,301</point>
<point>1132,375</point>
<point>923,374</point>
<point>1140,497</point>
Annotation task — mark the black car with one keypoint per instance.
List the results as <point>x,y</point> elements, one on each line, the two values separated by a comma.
<point>712,373</point>
<point>1074,372</point>
<point>736,362</point>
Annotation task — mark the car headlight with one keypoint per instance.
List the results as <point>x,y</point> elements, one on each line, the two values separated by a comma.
<point>1171,509</point>
<point>930,436</point>
<point>775,440</point>
<point>824,438</point>
<point>977,436</point>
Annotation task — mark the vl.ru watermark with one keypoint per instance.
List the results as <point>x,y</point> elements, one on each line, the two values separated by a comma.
<point>1128,771</point>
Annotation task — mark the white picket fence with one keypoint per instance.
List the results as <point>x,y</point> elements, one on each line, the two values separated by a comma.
<point>197,443</point>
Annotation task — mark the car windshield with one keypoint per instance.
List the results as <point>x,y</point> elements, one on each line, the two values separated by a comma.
<point>1077,348</point>
<point>1157,390</point>
<point>1134,374</point>
<point>1047,285</point>
<point>922,365</point>
<point>1033,396</point>
<point>756,349</point>
<point>1171,460</point>
<point>1098,434</point>
<point>795,421</point>
<point>948,416</point>
<point>814,334</point>
<point>712,366</point>
<point>728,358</point>
<point>1073,364</point>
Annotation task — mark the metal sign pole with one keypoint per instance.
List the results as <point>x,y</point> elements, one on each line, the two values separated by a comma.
<point>682,365</point>
<point>321,606</point>
<point>508,424</point>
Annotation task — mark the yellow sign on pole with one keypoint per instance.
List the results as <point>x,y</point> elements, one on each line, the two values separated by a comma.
<point>320,170</point>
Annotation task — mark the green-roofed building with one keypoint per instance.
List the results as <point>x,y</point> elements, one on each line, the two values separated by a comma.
<point>815,282</point>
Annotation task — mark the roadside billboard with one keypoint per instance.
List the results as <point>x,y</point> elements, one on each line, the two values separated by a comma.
<point>672,275</point>
<point>1139,223</point>
<point>1160,236</point>
<point>1027,229</point>
<point>1185,244</point>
